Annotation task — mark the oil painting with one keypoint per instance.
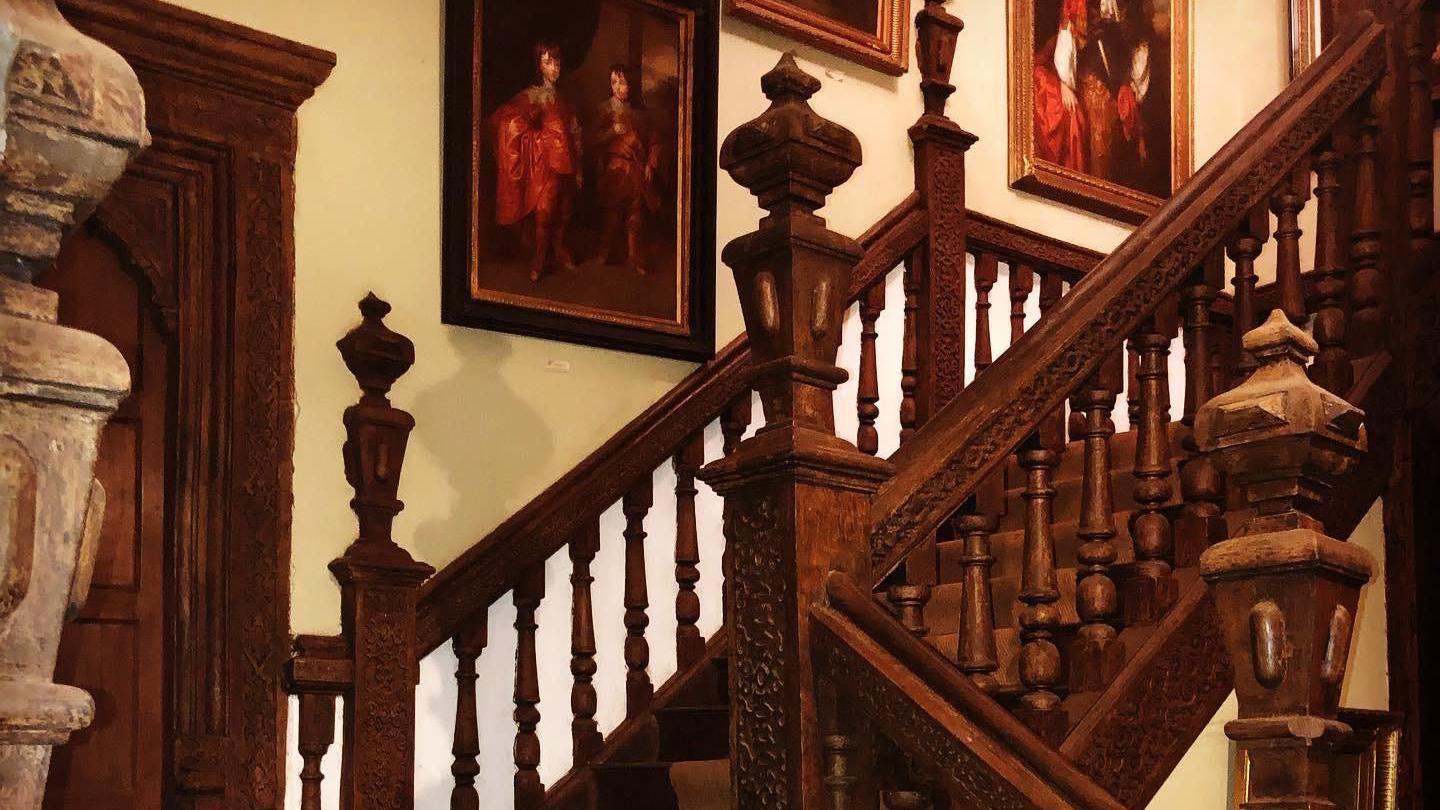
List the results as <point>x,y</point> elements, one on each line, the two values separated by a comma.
<point>872,33</point>
<point>1100,102</point>
<point>579,149</point>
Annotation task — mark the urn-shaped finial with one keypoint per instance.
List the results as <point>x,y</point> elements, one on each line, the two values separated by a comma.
<point>1279,435</point>
<point>937,32</point>
<point>375,354</point>
<point>790,157</point>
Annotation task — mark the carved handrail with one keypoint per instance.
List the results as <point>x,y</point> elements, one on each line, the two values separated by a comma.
<point>1027,773</point>
<point>488,569</point>
<point>956,448</point>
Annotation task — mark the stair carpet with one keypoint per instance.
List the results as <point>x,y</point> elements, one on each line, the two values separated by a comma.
<point>683,761</point>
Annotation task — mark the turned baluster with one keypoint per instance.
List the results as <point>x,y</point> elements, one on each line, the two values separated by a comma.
<point>1331,368</point>
<point>1152,589</point>
<point>317,734</point>
<point>1367,327</point>
<point>584,731</point>
<point>638,689</point>
<point>907,602</point>
<point>909,354</point>
<point>1419,134</point>
<point>840,779</point>
<point>529,790</point>
<point>468,645</point>
<point>1202,488</point>
<point>689,646</point>
<point>1287,201</point>
<point>1097,653</point>
<point>987,273</point>
<point>976,656</point>
<point>1052,429</point>
<point>1022,283</point>
<point>1244,247</point>
<point>867,396</point>
<point>1039,591</point>
<point>734,420</point>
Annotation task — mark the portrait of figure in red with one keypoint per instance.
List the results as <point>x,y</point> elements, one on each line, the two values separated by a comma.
<point>578,169</point>
<point>1106,98</point>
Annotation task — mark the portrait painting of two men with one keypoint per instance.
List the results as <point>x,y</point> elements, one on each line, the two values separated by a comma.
<point>1100,106</point>
<point>579,171</point>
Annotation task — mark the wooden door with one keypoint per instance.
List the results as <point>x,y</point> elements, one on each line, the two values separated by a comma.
<point>115,648</point>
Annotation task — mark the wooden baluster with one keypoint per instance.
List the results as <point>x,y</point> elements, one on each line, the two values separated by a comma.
<point>1053,429</point>
<point>317,734</point>
<point>584,731</point>
<point>909,354</point>
<point>689,646</point>
<point>1040,707</point>
<point>1367,327</point>
<point>907,602</point>
<point>1201,521</point>
<point>735,420</point>
<point>529,790</point>
<point>468,645</point>
<point>1152,590</point>
<point>1022,283</point>
<point>1097,653</point>
<point>976,656</point>
<point>867,396</point>
<point>1287,201</point>
<point>1420,131</point>
<point>1331,368</point>
<point>987,273</point>
<point>840,780</point>
<point>1244,247</point>
<point>638,689</point>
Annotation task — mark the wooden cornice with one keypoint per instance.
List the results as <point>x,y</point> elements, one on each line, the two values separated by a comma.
<point>211,52</point>
<point>947,458</point>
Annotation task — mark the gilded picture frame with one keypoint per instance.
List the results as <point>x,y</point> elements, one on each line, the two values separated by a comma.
<point>580,145</point>
<point>873,33</point>
<point>1305,34</point>
<point>1103,191</point>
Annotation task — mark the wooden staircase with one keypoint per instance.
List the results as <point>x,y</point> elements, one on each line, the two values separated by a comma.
<point>1018,608</point>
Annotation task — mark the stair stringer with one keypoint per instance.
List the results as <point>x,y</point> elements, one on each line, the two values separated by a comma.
<point>1142,725</point>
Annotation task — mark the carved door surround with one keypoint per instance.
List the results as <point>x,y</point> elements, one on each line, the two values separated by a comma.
<point>204,220</point>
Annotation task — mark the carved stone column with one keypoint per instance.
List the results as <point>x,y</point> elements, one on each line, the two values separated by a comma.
<point>797,497</point>
<point>1286,593</point>
<point>378,578</point>
<point>71,119</point>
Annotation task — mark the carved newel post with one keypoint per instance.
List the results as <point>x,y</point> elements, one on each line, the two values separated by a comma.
<point>1285,592</point>
<point>71,119</point>
<point>378,578</point>
<point>797,498</point>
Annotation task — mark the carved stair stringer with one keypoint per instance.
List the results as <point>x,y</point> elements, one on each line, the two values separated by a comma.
<point>983,755</point>
<point>1140,727</point>
<point>951,453</point>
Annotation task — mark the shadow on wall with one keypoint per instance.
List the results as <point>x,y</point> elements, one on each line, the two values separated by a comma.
<point>455,422</point>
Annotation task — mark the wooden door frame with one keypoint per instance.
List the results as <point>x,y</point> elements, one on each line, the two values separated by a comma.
<point>221,104</point>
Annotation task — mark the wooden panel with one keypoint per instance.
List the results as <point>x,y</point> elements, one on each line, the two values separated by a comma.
<point>115,648</point>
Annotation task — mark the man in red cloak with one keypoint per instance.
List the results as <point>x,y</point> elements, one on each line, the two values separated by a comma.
<point>537,141</point>
<point>1060,125</point>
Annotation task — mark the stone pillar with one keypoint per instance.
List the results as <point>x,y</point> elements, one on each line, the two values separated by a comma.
<point>378,579</point>
<point>1285,591</point>
<point>797,497</point>
<point>71,120</point>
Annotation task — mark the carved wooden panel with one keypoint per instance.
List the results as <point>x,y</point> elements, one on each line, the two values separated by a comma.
<point>203,226</point>
<point>115,646</point>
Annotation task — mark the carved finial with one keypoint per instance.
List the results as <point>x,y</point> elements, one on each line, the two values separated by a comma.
<point>938,30</point>
<point>1281,436</point>
<point>376,355</point>
<point>790,157</point>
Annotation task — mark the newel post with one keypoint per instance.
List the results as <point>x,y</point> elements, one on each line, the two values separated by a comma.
<point>940,147</point>
<point>378,578</point>
<point>1285,591</point>
<point>797,497</point>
